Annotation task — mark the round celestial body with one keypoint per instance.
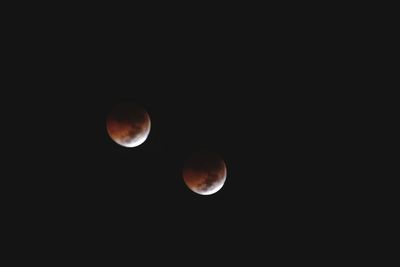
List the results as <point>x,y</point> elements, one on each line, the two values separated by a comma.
<point>128,124</point>
<point>204,173</point>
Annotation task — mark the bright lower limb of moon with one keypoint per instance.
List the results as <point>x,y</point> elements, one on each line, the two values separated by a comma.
<point>213,189</point>
<point>136,141</point>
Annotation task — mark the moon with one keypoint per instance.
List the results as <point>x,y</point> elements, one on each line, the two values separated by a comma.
<point>128,124</point>
<point>204,173</point>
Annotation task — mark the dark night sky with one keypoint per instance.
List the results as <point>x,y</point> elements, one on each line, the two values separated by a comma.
<point>261,99</point>
<point>262,128</point>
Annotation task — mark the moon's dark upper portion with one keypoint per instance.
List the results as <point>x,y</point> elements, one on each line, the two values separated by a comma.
<point>128,113</point>
<point>205,160</point>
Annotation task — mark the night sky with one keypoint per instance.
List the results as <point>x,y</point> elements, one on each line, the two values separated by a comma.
<point>274,190</point>
<point>262,102</point>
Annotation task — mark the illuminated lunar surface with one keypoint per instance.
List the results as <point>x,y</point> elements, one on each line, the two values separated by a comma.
<point>204,173</point>
<point>128,125</point>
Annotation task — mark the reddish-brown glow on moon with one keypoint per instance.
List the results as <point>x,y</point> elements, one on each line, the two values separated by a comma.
<point>205,173</point>
<point>128,125</point>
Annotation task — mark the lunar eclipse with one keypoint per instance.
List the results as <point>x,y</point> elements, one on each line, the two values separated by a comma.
<point>128,125</point>
<point>204,173</point>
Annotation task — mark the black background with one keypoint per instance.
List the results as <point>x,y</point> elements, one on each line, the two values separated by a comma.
<point>263,96</point>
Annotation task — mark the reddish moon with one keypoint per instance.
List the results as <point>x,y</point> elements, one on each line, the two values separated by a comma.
<point>204,173</point>
<point>128,125</point>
